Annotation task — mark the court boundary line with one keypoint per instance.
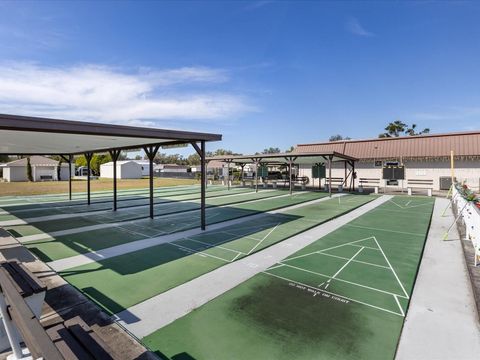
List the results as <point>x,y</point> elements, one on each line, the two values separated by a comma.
<point>334,294</point>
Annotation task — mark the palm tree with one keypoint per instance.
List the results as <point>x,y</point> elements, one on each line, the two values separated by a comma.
<point>411,131</point>
<point>394,129</point>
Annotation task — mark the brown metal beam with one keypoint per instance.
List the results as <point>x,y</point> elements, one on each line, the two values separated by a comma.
<point>115,154</point>
<point>37,124</point>
<point>151,151</point>
<point>88,157</point>
<point>330,175</point>
<point>203,186</point>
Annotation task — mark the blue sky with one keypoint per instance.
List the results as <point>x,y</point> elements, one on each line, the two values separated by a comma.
<point>261,73</point>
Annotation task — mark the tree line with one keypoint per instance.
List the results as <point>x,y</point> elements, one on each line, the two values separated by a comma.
<point>395,128</point>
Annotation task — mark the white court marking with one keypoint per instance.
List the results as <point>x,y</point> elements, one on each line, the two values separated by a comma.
<point>407,206</point>
<point>98,255</point>
<point>237,252</point>
<point>181,300</point>
<point>325,284</point>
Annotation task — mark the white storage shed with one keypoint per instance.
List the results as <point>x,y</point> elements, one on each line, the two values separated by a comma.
<point>127,169</point>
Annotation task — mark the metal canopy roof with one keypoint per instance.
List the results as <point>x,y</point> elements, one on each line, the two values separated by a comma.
<point>282,158</point>
<point>22,135</point>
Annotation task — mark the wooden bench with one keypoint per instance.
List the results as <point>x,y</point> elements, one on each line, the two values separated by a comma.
<point>336,181</point>
<point>369,182</point>
<point>250,179</point>
<point>423,184</point>
<point>75,340</point>
<point>301,181</point>
<point>71,339</point>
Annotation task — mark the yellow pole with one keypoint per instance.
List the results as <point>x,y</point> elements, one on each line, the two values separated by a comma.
<point>452,165</point>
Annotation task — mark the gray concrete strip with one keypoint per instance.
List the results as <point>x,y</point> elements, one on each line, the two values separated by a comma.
<point>94,256</point>
<point>13,222</point>
<point>441,322</point>
<point>179,301</point>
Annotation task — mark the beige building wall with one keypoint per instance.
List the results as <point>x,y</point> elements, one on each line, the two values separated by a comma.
<point>465,170</point>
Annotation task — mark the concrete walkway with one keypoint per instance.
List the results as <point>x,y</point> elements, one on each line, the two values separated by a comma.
<point>62,264</point>
<point>442,321</point>
<point>146,317</point>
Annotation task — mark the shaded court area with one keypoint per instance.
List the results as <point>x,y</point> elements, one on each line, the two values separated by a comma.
<point>156,269</point>
<point>52,240</point>
<point>342,297</point>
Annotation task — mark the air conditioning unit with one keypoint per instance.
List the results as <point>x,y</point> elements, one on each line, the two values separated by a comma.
<point>445,182</point>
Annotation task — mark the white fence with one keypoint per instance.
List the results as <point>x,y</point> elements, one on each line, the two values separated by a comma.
<point>471,217</point>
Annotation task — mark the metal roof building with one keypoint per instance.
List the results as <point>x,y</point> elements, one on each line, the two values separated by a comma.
<point>426,158</point>
<point>463,144</point>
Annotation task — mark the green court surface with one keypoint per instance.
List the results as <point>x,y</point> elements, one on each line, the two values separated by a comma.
<point>96,196</point>
<point>105,203</point>
<point>89,219</point>
<point>86,241</point>
<point>156,269</point>
<point>344,296</point>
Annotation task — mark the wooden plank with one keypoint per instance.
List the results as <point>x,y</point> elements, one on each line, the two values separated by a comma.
<point>89,340</point>
<point>34,335</point>
<point>68,346</point>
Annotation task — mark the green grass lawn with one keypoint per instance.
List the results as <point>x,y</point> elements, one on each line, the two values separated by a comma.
<point>342,297</point>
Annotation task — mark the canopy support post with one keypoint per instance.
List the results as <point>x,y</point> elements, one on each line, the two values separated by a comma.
<point>70,160</point>
<point>88,157</point>
<point>228,175</point>
<point>203,186</point>
<point>256,177</point>
<point>151,151</point>
<point>115,154</point>
<point>290,175</point>
<point>330,175</point>
<point>353,175</point>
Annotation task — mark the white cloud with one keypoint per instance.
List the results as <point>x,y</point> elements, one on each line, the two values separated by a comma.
<point>100,93</point>
<point>354,26</point>
<point>258,4</point>
<point>450,113</point>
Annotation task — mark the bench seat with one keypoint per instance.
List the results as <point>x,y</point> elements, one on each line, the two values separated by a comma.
<point>423,184</point>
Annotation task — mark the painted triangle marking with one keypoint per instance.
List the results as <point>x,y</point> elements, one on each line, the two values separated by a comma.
<point>391,268</point>
<point>407,206</point>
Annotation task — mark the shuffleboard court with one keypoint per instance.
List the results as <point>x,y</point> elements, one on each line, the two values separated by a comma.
<point>343,297</point>
<point>154,270</point>
<point>58,222</point>
<point>88,219</point>
<point>17,202</point>
<point>57,246</point>
<point>27,211</point>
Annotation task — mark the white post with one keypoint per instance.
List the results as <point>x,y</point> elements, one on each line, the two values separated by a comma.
<point>10,330</point>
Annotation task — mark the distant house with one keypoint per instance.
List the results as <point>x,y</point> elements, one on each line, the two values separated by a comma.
<point>217,168</point>
<point>43,169</point>
<point>127,169</point>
